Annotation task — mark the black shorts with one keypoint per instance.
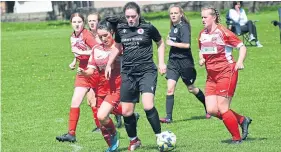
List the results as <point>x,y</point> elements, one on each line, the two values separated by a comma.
<point>181,68</point>
<point>132,85</point>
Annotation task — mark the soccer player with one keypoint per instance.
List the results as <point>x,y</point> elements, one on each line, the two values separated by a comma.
<point>93,20</point>
<point>108,92</point>
<point>138,72</point>
<point>215,44</point>
<point>81,41</point>
<point>180,62</point>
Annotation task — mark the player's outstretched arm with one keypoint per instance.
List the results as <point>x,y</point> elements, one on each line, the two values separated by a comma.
<point>242,56</point>
<point>114,53</point>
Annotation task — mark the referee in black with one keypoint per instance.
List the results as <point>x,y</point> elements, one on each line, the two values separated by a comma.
<point>138,71</point>
<point>181,63</point>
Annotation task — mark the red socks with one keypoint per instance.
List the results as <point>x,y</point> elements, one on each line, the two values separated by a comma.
<point>231,124</point>
<point>73,119</point>
<point>95,115</point>
<point>106,135</point>
<point>239,118</point>
<point>110,127</point>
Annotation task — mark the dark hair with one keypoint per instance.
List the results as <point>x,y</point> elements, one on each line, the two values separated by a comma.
<point>106,25</point>
<point>116,19</point>
<point>77,14</point>
<point>214,12</point>
<point>134,6</point>
<point>235,3</point>
<point>183,18</point>
<point>131,5</point>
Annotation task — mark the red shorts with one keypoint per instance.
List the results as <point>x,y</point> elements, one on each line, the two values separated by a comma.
<point>88,82</point>
<point>113,99</point>
<point>222,83</point>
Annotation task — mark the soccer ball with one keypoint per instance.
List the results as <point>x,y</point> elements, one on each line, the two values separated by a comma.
<point>166,141</point>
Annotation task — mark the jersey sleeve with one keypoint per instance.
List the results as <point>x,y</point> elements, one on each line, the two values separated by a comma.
<point>154,34</point>
<point>90,40</point>
<point>231,39</point>
<point>91,62</point>
<point>185,34</point>
<point>117,37</point>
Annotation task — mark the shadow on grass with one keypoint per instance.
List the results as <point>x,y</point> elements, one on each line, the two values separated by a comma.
<point>228,141</point>
<point>191,118</point>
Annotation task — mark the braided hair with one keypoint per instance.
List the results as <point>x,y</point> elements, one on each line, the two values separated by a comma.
<point>214,12</point>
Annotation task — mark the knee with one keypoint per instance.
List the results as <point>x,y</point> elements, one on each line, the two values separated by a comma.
<point>191,89</point>
<point>170,91</point>
<point>212,111</point>
<point>126,112</point>
<point>75,104</point>
<point>101,117</point>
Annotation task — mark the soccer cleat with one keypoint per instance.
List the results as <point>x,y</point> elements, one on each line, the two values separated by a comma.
<point>66,137</point>
<point>119,121</point>
<point>114,141</point>
<point>245,125</point>
<point>134,144</point>
<point>208,116</point>
<point>166,120</point>
<point>96,130</point>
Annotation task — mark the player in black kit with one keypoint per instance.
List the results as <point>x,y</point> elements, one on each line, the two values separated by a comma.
<point>181,63</point>
<point>138,71</point>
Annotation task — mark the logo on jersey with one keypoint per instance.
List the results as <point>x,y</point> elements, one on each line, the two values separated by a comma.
<point>140,31</point>
<point>124,30</point>
<point>176,30</point>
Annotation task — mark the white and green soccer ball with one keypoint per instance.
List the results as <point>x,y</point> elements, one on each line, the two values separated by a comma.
<point>166,141</point>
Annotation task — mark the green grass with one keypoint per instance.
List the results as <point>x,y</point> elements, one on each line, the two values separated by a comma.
<point>37,87</point>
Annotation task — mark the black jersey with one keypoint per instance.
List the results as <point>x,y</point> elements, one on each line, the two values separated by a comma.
<point>137,46</point>
<point>181,33</point>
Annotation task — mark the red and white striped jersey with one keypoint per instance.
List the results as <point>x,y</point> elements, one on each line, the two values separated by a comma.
<point>83,41</point>
<point>217,47</point>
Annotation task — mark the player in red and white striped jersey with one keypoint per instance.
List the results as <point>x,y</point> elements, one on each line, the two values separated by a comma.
<point>82,43</point>
<point>216,44</point>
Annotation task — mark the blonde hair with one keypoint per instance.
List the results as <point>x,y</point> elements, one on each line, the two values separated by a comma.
<point>214,12</point>
<point>183,18</point>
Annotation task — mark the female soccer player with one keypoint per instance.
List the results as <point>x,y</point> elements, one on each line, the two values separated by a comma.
<point>81,41</point>
<point>180,62</point>
<point>108,92</point>
<point>93,20</point>
<point>138,72</point>
<point>215,44</point>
